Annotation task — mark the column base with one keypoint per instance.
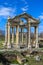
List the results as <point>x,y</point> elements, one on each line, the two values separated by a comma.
<point>8,45</point>
<point>17,46</point>
<point>29,47</point>
<point>37,45</point>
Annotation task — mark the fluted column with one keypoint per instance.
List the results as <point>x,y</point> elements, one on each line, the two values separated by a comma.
<point>12,35</point>
<point>6,34</point>
<point>26,41</point>
<point>22,36</point>
<point>29,42</point>
<point>34,36</point>
<point>8,44</point>
<point>37,45</point>
<point>17,36</point>
<point>27,37</point>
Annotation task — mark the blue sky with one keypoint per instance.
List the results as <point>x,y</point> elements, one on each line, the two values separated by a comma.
<point>15,7</point>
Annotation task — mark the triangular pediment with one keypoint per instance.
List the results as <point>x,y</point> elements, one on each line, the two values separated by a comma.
<point>25,16</point>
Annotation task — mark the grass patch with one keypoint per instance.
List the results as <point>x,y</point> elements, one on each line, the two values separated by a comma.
<point>32,61</point>
<point>14,62</point>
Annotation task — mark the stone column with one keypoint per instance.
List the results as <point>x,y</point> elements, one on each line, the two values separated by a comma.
<point>8,44</point>
<point>6,35</point>
<point>26,41</point>
<point>22,36</point>
<point>29,42</point>
<point>34,40</point>
<point>27,37</point>
<point>12,35</point>
<point>37,45</point>
<point>17,36</point>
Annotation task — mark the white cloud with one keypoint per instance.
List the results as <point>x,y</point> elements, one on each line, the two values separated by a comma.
<point>41,16</point>
<point>7,11</point>
<point>40,26</point>
<point>24,9</point>
<point>25,1</point>
<point>4,11</point>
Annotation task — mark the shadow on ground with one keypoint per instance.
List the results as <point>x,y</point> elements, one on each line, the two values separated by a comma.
<point>3,60</point>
